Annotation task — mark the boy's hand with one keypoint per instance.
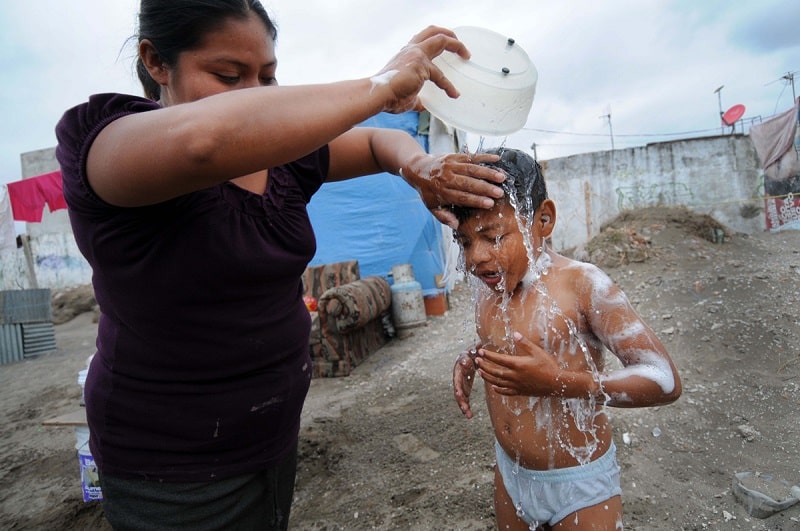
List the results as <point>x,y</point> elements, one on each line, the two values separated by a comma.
<point>463,378</point>
<point>532,372</point>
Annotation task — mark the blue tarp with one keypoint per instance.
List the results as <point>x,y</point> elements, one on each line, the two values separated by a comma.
<point>379,220</point>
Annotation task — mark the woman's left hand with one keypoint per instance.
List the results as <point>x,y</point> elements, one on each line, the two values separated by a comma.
<point>454,179</point>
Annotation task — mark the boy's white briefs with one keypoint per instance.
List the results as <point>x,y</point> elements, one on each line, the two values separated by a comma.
<point>548,496</point>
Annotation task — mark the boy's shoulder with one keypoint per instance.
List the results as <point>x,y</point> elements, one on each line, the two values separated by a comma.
<point>575,267</point>
<point>578,272</point>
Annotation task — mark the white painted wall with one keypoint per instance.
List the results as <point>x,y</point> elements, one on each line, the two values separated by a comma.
<point>718,176</point>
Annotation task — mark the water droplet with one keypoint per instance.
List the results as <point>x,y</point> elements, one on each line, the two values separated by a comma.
<point>656,432</point>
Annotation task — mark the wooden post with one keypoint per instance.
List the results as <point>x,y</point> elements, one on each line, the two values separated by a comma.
<point>26,246</point>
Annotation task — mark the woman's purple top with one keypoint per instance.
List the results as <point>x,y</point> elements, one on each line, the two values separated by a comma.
<point>202,362</point>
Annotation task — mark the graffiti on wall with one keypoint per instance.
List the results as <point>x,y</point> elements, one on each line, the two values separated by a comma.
<point>58,262</point>
<point>632,197</point>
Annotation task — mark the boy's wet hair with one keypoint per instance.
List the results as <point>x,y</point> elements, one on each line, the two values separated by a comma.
<point>524,185</point>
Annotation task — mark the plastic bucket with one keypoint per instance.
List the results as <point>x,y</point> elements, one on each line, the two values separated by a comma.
<point>90,479</point>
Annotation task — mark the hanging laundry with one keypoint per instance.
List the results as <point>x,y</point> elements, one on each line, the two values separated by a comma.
<point>774,140</point>
<point>29,196</point>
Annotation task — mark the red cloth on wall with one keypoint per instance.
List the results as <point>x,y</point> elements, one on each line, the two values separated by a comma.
<point>29,196</point>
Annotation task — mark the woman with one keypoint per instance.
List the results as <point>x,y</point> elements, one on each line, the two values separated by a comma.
<point>190,207</point>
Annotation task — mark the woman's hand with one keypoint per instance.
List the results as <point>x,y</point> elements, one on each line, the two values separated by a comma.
<point>463,378</point>
<point>454,179</point>
<point>413,65</point>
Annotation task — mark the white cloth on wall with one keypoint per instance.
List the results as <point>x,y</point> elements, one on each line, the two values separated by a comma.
<point>8,235</point>
<point>774,140</point>
<point>442,138</point>
<point>453,270</point>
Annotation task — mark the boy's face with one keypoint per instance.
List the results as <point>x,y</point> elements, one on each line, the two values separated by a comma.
<point>494,247</point>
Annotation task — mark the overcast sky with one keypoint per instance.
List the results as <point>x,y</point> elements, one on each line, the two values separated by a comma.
<point>653,66</point>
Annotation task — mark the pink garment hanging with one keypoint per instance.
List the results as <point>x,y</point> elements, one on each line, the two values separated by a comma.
<point>29,196</point>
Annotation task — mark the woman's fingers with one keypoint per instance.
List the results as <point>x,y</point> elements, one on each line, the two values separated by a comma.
<point>407,71</point>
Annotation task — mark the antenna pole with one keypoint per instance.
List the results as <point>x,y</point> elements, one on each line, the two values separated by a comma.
<point>610,130</point>
<point>718,92</point>
<point>790,78</point>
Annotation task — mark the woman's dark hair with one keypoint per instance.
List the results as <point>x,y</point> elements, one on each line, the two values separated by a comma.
<point>524,186</point>
<point>174,26</point>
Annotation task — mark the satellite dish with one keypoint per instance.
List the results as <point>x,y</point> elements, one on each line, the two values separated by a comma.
<point>733,114</point>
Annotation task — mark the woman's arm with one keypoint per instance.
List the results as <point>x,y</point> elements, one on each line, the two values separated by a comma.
<point>454,178</point>
<point>149,157</point>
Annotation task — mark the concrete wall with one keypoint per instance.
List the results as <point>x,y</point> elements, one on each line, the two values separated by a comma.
<point>719,176</point>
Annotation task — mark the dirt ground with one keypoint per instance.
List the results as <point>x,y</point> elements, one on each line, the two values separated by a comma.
<point>386,448</point>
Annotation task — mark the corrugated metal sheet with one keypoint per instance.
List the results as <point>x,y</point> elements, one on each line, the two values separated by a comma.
<point>11,348</point>
<point>38,338</point>
<point>21,340</point>
<point>25,306</point>
<point>26,324</point>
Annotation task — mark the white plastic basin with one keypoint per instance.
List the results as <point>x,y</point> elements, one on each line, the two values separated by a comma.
<point>497,85</point>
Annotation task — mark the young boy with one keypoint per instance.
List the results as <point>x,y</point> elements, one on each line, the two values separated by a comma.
<point>543,321</point>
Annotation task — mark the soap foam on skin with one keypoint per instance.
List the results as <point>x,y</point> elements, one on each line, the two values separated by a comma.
<point>539,268</point>
<point>621,398</point>
<point>631,330</point>
<point>653,368</point>
<point>382,79</point>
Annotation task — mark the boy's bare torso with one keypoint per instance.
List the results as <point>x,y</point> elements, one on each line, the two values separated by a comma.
<point>545,433</point>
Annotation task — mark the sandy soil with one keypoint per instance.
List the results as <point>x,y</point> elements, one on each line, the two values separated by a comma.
<point>386,448</point>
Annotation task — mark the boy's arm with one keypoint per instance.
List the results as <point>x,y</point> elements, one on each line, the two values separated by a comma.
<point>463,378</point>
<point>648,377</point>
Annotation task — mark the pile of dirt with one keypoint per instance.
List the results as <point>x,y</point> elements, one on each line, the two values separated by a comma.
<point>629,237</point>
<point>70,302</point>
